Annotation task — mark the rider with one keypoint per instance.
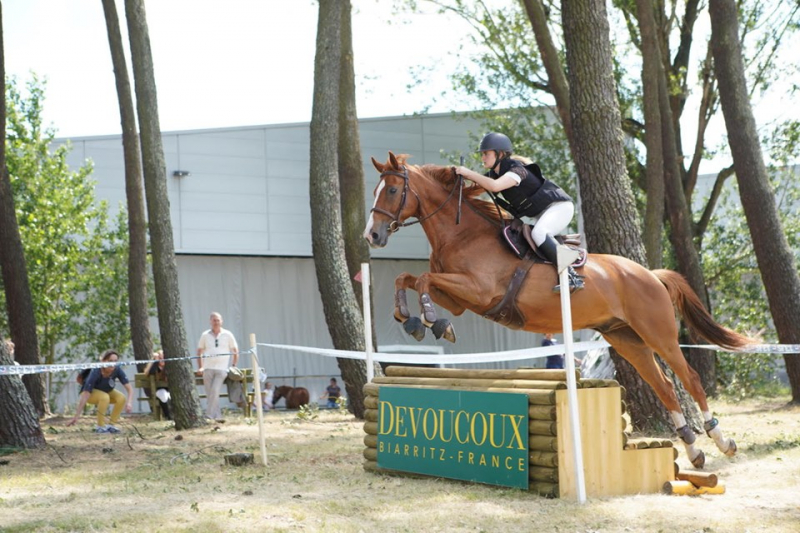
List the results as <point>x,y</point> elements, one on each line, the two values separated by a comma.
<point>525,193</point>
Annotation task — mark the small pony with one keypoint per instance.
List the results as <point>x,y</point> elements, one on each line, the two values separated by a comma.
<point>295,396</point>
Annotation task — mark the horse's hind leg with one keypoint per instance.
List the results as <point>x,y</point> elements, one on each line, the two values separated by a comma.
<point>411,324</point>
<point>671,353</point>
<point>637,353</point>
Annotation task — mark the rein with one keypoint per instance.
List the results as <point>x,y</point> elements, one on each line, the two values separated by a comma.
<point>395,223</point>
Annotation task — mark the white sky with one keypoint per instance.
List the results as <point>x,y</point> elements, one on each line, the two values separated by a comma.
<point>218,63</point>
<point>247,62</point>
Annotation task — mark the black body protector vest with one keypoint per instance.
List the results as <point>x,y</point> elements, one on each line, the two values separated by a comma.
<point>534,193</point>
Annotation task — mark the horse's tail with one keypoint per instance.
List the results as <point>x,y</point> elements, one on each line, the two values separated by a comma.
<point>699,320</point>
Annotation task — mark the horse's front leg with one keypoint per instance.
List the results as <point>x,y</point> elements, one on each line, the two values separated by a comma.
<point>411,324</point>
<point>448,290</point>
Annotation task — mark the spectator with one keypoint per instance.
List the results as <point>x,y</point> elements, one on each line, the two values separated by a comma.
<point>10,349</point>
<point>221,351</point>
<point>158,368</point>
<point>332,392</point>
<point>556,360</point>
<point>267,393</point>
<point>98,389</point>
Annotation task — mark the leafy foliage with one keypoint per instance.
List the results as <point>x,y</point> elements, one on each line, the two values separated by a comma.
<point>76,260</point>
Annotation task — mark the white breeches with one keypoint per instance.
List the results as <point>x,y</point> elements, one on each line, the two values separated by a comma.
<point>553,221</point>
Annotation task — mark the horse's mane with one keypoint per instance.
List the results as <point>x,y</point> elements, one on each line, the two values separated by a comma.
<point>447,178</point>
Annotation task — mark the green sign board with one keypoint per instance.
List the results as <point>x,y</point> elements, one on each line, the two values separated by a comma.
<point>467,435</point>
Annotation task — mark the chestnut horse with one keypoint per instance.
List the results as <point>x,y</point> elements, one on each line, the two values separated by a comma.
<point>471,267</point>
<point>295,396</point>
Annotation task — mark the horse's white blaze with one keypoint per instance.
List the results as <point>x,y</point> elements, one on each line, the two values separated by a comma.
<point>371,220</point>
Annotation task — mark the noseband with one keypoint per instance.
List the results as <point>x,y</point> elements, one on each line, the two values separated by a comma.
<point>395,224</point>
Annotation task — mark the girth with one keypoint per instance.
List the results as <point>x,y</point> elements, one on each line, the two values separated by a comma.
<point>506,313</point>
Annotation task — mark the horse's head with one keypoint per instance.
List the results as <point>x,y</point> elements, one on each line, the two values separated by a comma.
<point>280,392</point>
<point>394,201</point>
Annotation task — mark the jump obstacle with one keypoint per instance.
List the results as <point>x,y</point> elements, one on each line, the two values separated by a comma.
<point>613,463</point>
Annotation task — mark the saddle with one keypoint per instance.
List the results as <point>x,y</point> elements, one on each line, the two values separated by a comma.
<point>518,237</point>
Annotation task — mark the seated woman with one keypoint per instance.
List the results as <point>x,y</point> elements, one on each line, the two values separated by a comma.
<point>98,389</point>
<point>158,368</point>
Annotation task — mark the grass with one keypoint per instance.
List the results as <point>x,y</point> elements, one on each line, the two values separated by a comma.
<point>146,480</point>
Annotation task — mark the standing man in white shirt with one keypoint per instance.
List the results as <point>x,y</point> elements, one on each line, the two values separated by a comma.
<point>221,345</point>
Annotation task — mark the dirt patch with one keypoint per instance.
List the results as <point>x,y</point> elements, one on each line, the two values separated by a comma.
<point>152,478</point>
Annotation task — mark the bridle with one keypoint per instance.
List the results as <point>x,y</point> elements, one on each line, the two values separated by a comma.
<point>395,224</point>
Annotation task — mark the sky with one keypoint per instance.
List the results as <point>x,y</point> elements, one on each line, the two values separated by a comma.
<point>251,62</point>
<point>220,64</point>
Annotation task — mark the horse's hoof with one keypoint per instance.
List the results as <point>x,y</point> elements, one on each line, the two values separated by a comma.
<point>443,328</point>
<point>414,327</point>
<point>700,461</point>
<point>731,448</point>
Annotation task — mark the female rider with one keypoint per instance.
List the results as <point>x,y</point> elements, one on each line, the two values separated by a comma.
<point>525,193</point>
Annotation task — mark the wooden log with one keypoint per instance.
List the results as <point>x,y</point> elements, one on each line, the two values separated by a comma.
<point>370,454</point>
<point>543,473</point>
<point>239,459</point>
<point>675,454</point>
<point>539,458</point>
<point>371,441</point>
<point>535,397</point>
<point>371,428</point>
<point>698,479</point>
<point>519,373</point>
<point>450,382</point>
<point>667,443</point>
<point>548,490</point>
<point>542,427</point>
<point>542,443</point>
<point>637,444</point>
<point>370,402</point>
<point>687,488</point>
<point>599,383</point>
<point>542,412</point>
<point>371,415</point>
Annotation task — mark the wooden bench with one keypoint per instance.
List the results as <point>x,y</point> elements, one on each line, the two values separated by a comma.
<point>145,382</point>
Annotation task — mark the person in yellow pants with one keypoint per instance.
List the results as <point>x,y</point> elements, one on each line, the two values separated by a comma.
<point>98,389</point>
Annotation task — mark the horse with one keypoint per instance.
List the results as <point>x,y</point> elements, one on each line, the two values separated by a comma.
<point>295,396</point>
<point>632,307</point>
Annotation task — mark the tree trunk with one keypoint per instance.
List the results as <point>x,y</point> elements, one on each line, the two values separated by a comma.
<point>19,425</point>
<point>338,299</point>
<point>187,411</point>
<point>775,259</point>
<point>19,304</point>
<point>351,186</point>
<point>651,70</point>
<point>137,225</point>
<point>600,162</point>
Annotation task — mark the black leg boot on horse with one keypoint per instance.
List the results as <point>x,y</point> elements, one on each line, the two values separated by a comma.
<point>549,249</point>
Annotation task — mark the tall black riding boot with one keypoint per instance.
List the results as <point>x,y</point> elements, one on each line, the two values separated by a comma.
<point>549,249</point>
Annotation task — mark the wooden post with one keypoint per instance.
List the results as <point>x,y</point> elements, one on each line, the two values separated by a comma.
<point>367,320</point>
<point>572,390</point>
<point>257,389</point>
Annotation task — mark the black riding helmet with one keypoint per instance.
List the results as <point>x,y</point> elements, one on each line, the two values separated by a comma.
<point>496,142</point>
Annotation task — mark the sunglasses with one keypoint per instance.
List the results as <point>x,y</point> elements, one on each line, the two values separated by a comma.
<point>216,343</point>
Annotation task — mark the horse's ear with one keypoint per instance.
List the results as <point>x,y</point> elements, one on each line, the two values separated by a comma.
<point>393,161</point>
<point>379,166</point>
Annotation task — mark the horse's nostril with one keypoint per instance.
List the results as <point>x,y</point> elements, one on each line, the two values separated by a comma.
<point>374,236</point>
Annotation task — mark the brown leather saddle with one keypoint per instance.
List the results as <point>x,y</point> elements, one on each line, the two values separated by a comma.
<point>517,236</point>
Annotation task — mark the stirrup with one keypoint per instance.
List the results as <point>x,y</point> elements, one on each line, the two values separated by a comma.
<point>575,282</point>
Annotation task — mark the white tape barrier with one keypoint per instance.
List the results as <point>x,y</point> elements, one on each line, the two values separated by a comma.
<point>9,370</point>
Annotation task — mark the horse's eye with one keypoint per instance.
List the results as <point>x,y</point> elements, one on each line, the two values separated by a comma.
<point>392,190</point>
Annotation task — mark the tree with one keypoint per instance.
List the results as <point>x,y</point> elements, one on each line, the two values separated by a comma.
<point>351,187</point>
<point>138,304</point>
<point>14,271</point>
<point>187,411</point>
<point>338,299</point>
<point>600,161</point>
<point>776,262</point>
<point>19,425</point>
